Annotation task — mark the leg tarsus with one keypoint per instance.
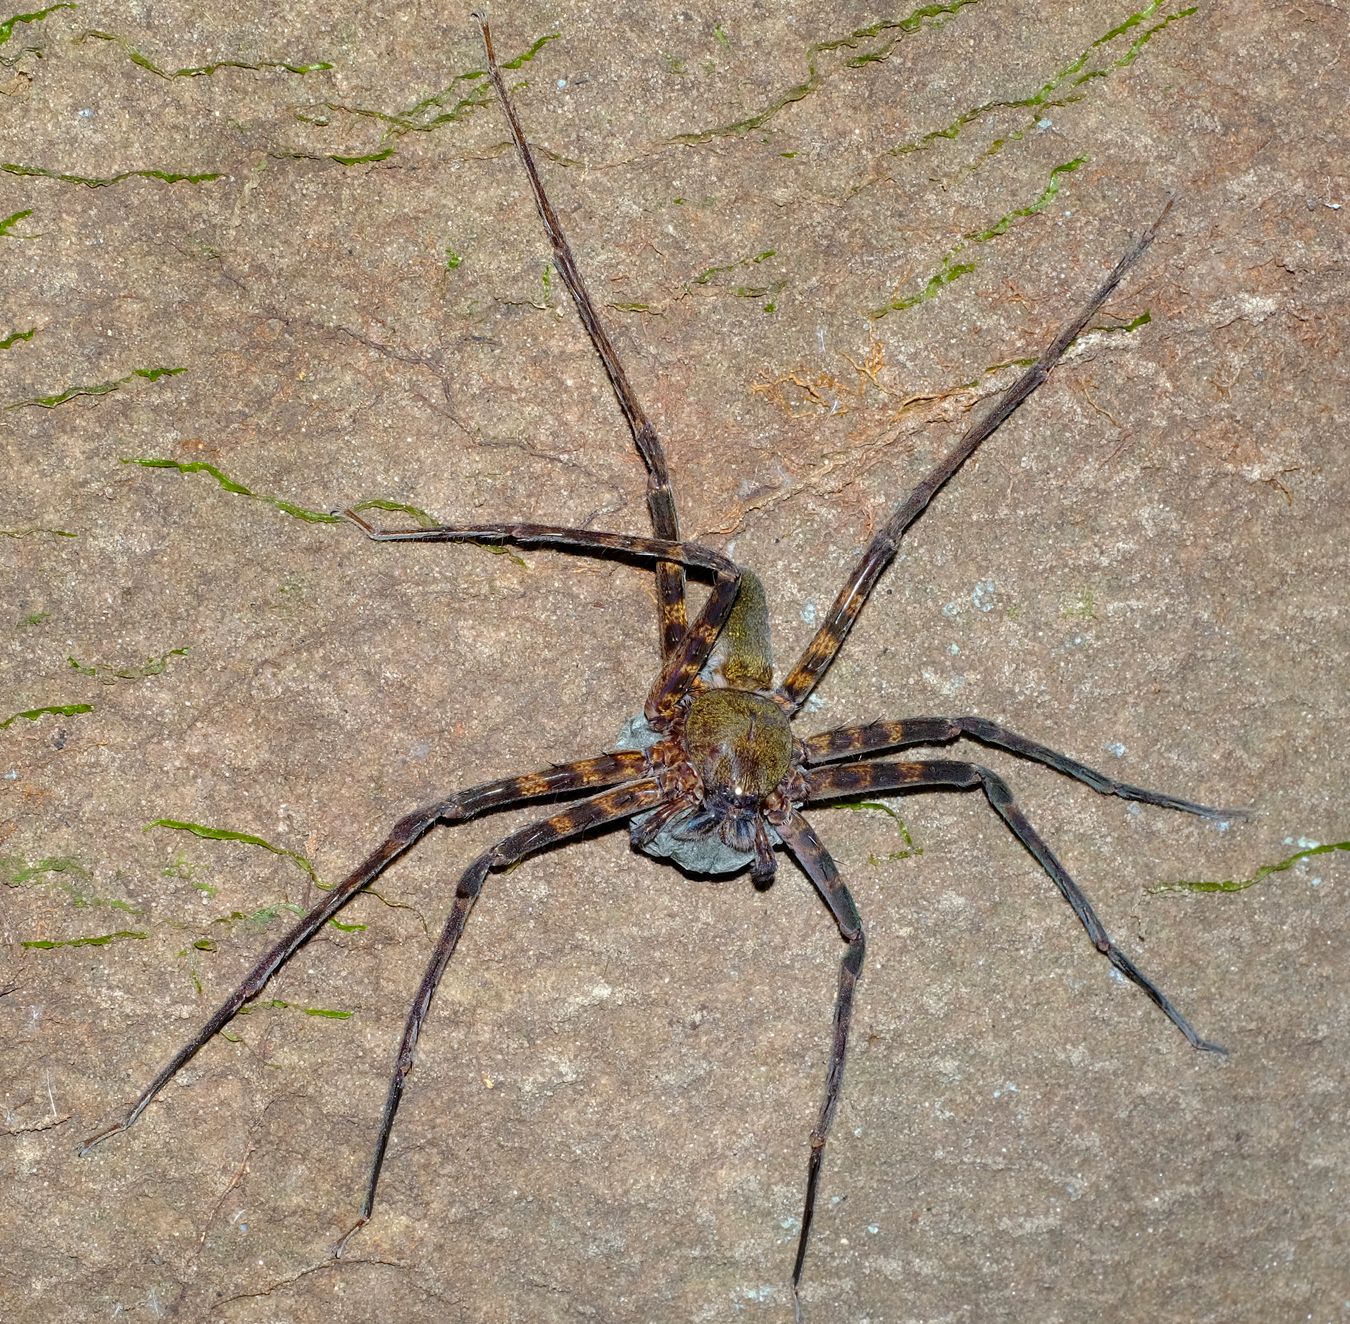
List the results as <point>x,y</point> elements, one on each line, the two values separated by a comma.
<point>335,1251</point>
<point>1122,963</point>
<point>991,733</point>
<point>683,663</point>
<point>116,1128</point>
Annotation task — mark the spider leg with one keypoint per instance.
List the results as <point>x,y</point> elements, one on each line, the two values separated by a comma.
<point>411,828</point>
<point>660,494</point>
<point>852,741</point>
<point>684,663</point>
<point>672,809</point>
<point>835,782</point>
<point>608,807</point>
<point>823,648</point>
<point>815,861</point>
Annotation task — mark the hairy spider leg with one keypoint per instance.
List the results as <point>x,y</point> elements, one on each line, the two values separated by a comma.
<point>584,774</point>
<point>838,782</point>
<point>681,666</point>
<point>824,647</point>
<point>609,807</point>
<point>660,494</point>
<point>872,737</point>
<point>815,862</point>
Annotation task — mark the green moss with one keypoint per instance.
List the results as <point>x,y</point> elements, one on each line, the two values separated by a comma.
<point>180,867</point>
<point>104,181</point>
<point>710,275</point>
<point>528,54</point>
<point>277,1004</point>
<point>10,222</point>
<point>1062,87</point>
<point>67,874</point>
<point>16,337</point>
<point>908,851</point>
<point>202,70</point>
<point>16,872</point>
<point>1082,606</point>
<point>952,270</point>
<point>54,710</point>
<point>8,26</point>
<point>798,92</point>
<point>301,862</point>
<point>1242,884</point>
<point>465,93</point>
<point>883,35</point>
<point>366,158</point>
<point>183,869</point>
<point>99,388</point>
<point>100,940</point>
<point>1125,328</point>
<point>152,666</point>
<point>230,485</point>
<point>260,916</point>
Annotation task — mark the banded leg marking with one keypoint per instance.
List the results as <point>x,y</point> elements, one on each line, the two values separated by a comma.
<point>873,737</point>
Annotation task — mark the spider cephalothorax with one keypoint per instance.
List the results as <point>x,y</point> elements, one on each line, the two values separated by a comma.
<point>711,775</point>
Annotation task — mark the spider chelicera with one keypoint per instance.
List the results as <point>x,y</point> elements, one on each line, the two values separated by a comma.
<point>711,774</point>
